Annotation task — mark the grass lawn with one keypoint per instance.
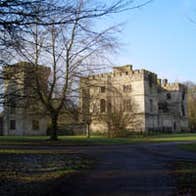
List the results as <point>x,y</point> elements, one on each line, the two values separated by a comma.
<point>25,172</point>
<point>188,147</point>
<point>185,175</point>
<point>95,140</point>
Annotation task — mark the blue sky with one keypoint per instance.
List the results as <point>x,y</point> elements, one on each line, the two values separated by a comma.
<point>161,38</point>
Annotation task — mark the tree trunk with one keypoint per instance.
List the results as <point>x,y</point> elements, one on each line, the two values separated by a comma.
<point>109,130</point>
<point>88,130</point>
<point>53,134</point>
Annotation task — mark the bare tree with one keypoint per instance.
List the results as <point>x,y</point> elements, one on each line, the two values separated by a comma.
<point>191,104</point>
<point>121,118</point>
<point>67,49</point>
<point>115,110</point>
<point>63,36</point>
<point>17,15</point>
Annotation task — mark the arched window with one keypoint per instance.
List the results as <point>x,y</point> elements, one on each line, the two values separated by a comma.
<point>102,105</point>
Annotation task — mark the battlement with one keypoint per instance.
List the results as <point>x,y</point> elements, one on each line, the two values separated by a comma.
<point>123,69</point>
<point>138,74</point>
<point>172,86</point>
<point>127,71</point>
<point>25,69</point>
<point>23,66</point>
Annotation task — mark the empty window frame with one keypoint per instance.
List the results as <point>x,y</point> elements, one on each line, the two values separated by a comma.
<point>12,124</point>
<point>127,105</point>
<point>151,105</point>
<point>183,110</point>
<point>102,105</point>
<point>102,89</point>
<point>35,124</point>
<point>168,96</point>
<point>127,88</point>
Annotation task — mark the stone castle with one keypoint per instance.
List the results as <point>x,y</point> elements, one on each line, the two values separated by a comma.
<point>158,105</point>
<point>161,106</point>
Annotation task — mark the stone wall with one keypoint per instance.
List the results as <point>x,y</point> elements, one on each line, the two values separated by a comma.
<point>23,115</point>
<point>24,124</point>
<point>159,103</point>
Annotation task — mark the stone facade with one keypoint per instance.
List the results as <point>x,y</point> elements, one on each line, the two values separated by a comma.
<point>161,106</point>
<point>22,113</point>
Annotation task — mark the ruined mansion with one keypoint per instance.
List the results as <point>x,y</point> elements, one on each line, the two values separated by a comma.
<point>155,104</point>
<point>158,105</point>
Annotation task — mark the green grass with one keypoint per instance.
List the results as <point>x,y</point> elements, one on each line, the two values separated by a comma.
<point>29,151</point>
<point>31,184</point>
<point>95,140</point>
<point>185,175</point>
<point>188,147</point>
<point>19,174</point>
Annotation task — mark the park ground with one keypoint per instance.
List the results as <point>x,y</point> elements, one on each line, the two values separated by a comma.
<point>138,165</point>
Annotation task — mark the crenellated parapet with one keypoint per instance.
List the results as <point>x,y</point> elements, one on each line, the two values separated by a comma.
<point>127,71</point>
<point>26,68</point>
<point>172,86</point>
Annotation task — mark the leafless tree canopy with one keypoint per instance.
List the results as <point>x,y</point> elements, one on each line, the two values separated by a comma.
<point>62,35</point>
<point>116,110</point>
<point>192,104</point>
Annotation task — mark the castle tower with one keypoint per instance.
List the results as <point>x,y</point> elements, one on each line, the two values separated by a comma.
<point>22,108</point>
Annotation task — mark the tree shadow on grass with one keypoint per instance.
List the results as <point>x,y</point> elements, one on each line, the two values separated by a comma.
<point>35,174</point>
